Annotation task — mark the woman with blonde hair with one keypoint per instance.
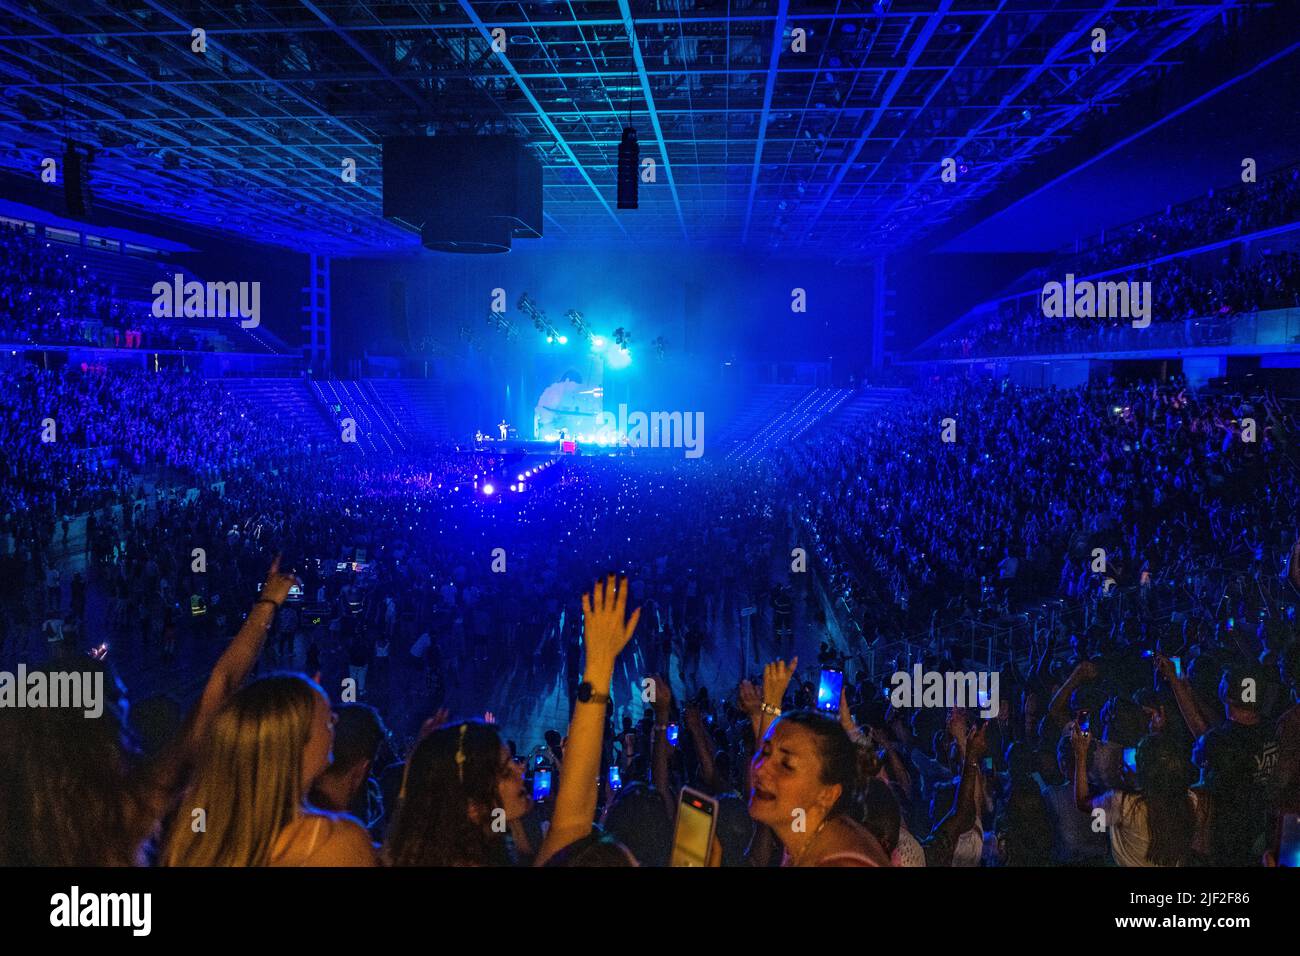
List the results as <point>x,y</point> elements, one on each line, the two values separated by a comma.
<point>78,792</point>
<point>247,805</point>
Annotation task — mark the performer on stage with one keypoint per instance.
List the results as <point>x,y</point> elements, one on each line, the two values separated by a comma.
<point>504,429</point>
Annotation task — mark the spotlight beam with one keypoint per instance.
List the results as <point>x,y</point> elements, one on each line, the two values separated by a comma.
<point>778,35</point>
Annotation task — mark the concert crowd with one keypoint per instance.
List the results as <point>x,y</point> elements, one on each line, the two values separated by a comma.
<point>1199,293</point>
<point>385,586</point>
<point>414,659</point>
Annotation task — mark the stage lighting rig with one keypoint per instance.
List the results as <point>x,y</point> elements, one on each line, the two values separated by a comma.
<point>503,324</point>
<point>622,338</point>
<point>529,308</point>
<point>660,346</point>
<point>579,324</point>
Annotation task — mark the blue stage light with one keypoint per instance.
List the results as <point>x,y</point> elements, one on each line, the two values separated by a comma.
<point>488,489</point>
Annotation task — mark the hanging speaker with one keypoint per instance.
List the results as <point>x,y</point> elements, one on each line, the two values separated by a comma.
<point>629,159</point>
<point>76,183</point>
<point>463,194</point>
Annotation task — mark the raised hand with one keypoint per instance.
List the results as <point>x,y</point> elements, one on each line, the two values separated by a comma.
<point>277,584</point>
<point>1165,668</point>
<point>776,678</point>
<point>608,627</point>
<point>1079,741</point>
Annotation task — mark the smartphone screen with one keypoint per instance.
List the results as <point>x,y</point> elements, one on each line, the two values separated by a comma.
<point>1178,666</point>
<point>988,764</point>
<point>1085,724</point>
<point>672,734</point>
<point>1131,758</point>
<point>696,820</point>
<point>541,785</point>
<point>615,779</point>
<point>1288,853</point>
<point>828,691</point>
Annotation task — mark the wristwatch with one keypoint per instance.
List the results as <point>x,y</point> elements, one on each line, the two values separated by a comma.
<point>587,693</point>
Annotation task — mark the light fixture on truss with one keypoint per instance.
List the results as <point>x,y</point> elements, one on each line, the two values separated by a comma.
<point>579,323</point>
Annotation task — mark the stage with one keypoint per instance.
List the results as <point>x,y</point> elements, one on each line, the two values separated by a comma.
<point>523,446</point>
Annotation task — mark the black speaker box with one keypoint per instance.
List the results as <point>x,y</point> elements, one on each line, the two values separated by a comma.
<point>464,194</point>
<point>76,183</point>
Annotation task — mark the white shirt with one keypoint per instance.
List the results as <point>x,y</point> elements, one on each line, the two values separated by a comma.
<point>1126,824</point>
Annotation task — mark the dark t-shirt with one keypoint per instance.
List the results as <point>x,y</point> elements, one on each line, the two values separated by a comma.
<point>1256,746</point>
<point>1241,763</point>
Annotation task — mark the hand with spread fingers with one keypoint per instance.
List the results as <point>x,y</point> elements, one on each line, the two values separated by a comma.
<point>608,628</point>
<point>776,678</point>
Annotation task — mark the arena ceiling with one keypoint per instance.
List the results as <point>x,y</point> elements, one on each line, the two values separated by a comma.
<point>835,150</point>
